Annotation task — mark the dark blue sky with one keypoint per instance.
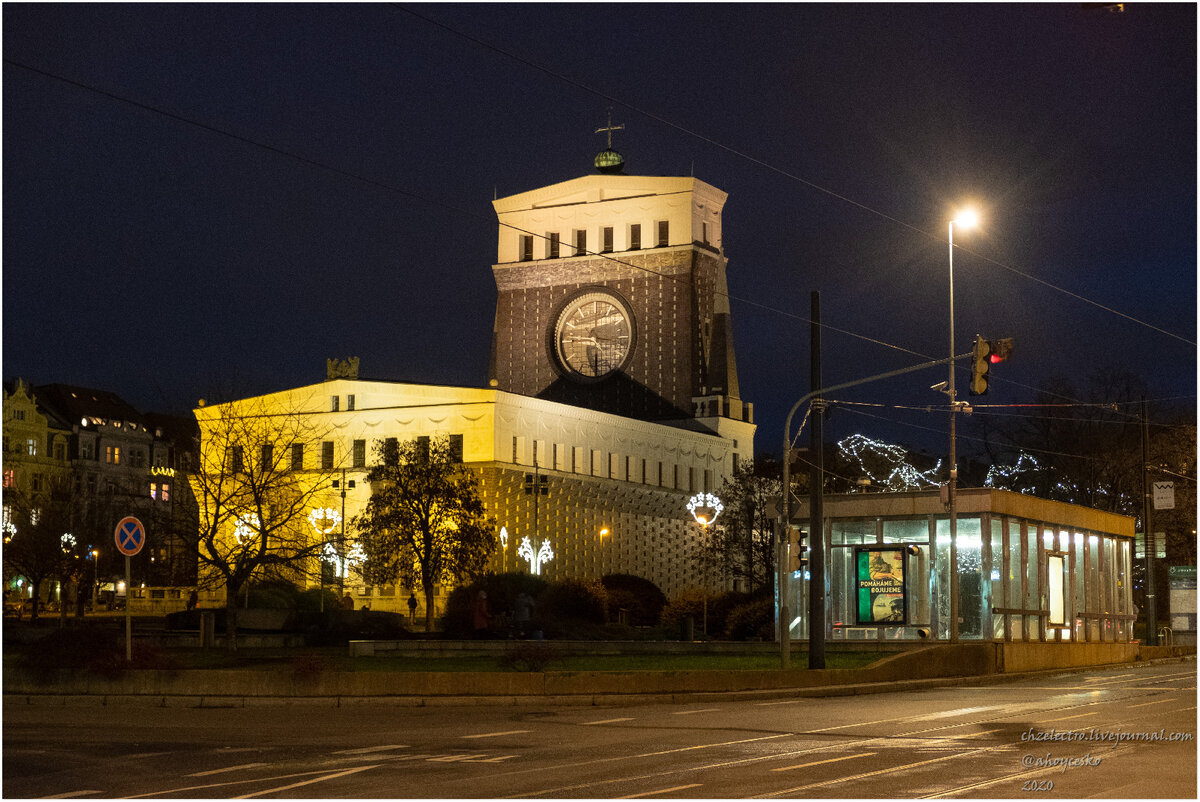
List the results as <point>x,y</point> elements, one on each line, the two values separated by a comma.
<point>320,185</point>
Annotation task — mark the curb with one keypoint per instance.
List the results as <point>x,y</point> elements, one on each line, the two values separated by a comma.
<point>574,700</point>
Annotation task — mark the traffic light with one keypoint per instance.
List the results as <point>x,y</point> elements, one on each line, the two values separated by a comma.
<point>797,550</point>
<point>986,354</point>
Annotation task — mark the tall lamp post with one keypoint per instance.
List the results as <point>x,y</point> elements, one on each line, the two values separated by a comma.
<point>965,219</point>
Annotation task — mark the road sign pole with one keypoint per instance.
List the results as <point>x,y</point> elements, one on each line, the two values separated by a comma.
<point>128,620</point>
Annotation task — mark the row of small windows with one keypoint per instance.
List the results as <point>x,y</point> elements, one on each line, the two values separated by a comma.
<point>610,465</point>
<point>335,403</point>
<point>328,459</point>
<point>553,242</point>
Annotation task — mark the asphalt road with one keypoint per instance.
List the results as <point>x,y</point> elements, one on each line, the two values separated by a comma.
<point>989,741</point>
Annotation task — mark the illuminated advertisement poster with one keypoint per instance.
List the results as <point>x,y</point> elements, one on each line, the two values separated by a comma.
<point>879,582</point>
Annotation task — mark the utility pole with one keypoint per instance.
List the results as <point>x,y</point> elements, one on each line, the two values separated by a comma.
<point>816,517</point>
<point>1148,532</point>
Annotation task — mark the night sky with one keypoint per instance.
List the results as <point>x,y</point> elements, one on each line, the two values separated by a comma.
<point>201,199</point>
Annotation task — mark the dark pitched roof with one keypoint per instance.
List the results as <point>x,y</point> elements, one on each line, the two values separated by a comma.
<point>73,403</point>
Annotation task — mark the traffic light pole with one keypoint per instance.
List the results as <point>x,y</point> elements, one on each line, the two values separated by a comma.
<point>816,529</point>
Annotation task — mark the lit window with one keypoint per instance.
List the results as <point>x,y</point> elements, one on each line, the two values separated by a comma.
<point>31,447</point>
<point>8,478</point>
<point>112,455</point>
<point>164,492</point>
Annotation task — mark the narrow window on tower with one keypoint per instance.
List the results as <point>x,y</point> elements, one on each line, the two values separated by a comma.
<point>704,233</point>
<point>580,242</point>
<point>552,245</point>
<point>608,240</point>
<point>664,231</point>
<point>456,448</point>
<point>635,237</point>
<point>360,454</point>
<point>333,403</point>
<point>526,247</point>
<point>297,456</point>
<point>350,403</point>
<point>327,455</point>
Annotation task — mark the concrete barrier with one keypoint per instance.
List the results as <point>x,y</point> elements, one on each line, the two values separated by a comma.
<point>301,680</point>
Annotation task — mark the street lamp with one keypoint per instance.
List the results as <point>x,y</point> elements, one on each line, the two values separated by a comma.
<point>965,219</point>
<point>95,577</point>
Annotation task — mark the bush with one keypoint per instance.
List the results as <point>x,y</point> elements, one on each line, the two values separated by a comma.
<point>719,607</point>
<point>571,608</point>
<point>528,656</point>
<point>690,602</point>
<point>502,591</point>
<point>639,596</point>
<point>754,619</point>
<point>90,649</point>
<point>275,594</point>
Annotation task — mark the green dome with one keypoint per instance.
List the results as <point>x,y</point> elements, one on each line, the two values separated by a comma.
<point>609,161</point>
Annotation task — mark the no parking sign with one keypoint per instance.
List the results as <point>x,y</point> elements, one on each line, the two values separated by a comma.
<point>130,536</point>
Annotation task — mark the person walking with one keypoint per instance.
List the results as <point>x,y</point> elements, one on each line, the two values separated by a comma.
<point>479,615</point>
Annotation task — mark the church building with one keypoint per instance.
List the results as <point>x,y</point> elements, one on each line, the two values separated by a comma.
<point>612,396</point>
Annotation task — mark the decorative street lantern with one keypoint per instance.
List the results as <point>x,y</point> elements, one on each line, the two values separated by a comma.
<point>247,528</point>
<point>705,507</point>
<point>543,554</point>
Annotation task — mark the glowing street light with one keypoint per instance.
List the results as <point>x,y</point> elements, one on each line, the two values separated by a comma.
<point>965,219</point>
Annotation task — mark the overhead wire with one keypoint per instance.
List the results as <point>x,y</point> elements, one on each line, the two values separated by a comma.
<point>774,168</point>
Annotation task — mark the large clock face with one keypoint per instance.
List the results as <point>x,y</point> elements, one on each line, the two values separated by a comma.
<point>594,334</point>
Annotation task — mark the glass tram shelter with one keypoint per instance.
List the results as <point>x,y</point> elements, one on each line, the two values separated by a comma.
<point>1023,569</point>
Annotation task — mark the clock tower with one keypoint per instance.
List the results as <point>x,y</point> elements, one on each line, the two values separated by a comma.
<point>612,296</point>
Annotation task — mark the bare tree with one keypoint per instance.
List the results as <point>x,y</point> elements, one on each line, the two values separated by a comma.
<point>739,543</point>
<point>38,543</point>
<point>424,523</point>
<point>252,494</point>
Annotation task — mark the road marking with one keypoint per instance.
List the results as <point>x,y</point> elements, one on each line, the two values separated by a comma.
<point>454,758</point>
<point>305,782</point>
<point>368,749</point>
<point>725,743</point>
<point>962,711</point>
<point>70,794</point>
<point>1184,710</point>
<point>976,734</point>
<point>1147,704</point>
<point>496,734</point>
<point>499,759</point>
<point>906,766</point>
<point>605,721</point>
<point>145,754</point>
<point>819,762</point>
<point>229,768</point>
<point>174,791</point>
<point>1067,718</point>
<point>704,710</point>
<point>660,791</point>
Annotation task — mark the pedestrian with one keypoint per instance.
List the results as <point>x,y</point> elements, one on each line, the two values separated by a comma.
<point>523,614</point>
<point>347,602</point>
<point>193,600</point>
<point>479,614</point>
<point>412,607</point>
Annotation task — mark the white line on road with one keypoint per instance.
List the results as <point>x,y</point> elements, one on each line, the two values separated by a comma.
<point>660,791</point>
<point>70,794</point>
<point>176,791</point>
<point>1147,704</point>
<point>499,759</point>
<point>819,762</point>
<point>704,710</point>
<point>605,721</point>
<point>1067,718</point>
<point>305,782</point>
<point>903,767</point>
<point>228,768</point>
<point>496,734</point>
<point>368,749</point>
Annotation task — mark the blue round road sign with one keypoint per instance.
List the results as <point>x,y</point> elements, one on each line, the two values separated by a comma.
<point>130,536</point>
